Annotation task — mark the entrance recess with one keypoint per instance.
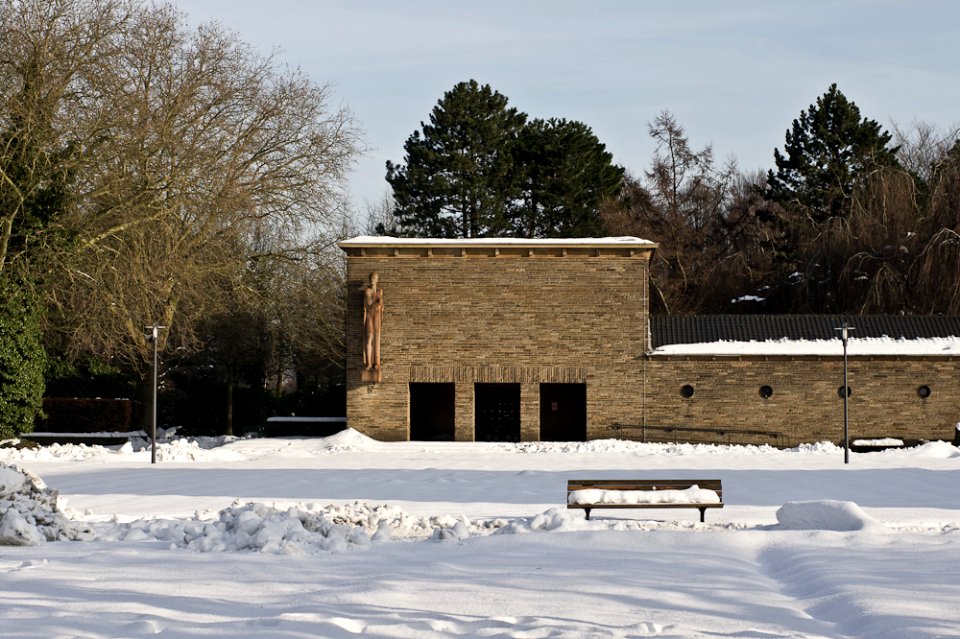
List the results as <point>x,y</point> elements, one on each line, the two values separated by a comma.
<point>432,412</point>
<point>497,413</point>
<point>563,412</point>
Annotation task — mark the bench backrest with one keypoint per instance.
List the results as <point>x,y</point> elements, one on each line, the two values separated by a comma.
<point>645,484</point>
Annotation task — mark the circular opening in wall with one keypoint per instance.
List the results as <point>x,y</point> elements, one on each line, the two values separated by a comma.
<point>686,390</point>
<point>766,391</point>
<point>924,391</point>
<point>840,391</point>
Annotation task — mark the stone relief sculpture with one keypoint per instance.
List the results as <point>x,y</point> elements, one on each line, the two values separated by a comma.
<point>372,320</point>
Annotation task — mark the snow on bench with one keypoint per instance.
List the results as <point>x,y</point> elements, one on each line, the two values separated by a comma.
<point>645,493</point>
<point>875,445</point>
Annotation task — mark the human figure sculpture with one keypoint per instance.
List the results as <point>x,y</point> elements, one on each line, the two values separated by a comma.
<point>372,319</point>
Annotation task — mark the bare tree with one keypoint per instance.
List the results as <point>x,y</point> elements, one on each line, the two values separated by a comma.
<point>935,273</point>
<point>185,147</point>
<point>682,203</point>
<point>380,218</point>
<point>923,147</point>
<point>50,111</point>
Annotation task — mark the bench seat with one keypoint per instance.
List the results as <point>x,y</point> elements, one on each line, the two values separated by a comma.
<point>588,494</point>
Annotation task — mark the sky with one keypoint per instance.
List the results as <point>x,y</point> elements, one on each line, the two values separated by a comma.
<point>735,74</point>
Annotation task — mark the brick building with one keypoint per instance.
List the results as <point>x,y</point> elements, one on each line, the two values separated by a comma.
<point>778,378</point>
<point>526,340</point>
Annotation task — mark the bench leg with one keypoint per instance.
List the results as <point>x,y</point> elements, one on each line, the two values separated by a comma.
<point>703,513</point>
<point>587,510</point>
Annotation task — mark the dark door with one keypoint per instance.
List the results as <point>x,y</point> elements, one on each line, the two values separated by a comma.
<point>563,412</point>
<point>497,412</point>
<point>432,412</point>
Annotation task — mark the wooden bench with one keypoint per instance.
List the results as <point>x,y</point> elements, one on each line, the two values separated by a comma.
<point>701,502</point>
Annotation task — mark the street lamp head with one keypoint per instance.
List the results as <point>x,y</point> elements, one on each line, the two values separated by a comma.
<point>153,332</point>
<point>845,331</point>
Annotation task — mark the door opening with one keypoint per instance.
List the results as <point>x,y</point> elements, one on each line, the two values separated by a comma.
<point>432,411</point>
<point>563,412</point>
<point>497,412</point>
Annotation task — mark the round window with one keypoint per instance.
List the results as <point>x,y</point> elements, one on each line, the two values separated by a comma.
<point>766,391</point>
<point>924,391</point>
<point>840,391</point>
<point>686,390</point>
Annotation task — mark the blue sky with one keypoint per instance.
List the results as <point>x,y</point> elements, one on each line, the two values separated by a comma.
<point>734,73</point>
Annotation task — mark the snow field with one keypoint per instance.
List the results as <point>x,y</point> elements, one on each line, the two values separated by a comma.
<point>344,536</point>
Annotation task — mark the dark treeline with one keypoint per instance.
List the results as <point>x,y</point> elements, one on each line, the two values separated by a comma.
<point>851,219</point>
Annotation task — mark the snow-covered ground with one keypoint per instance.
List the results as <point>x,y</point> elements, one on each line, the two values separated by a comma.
<point>344,536</point>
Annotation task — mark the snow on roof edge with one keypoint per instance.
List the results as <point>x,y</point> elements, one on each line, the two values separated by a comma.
<point>373,240</point>
<point>929,346</point>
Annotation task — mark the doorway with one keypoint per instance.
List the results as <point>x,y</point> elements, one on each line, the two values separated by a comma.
<point>432,411</point>
<point>563,412</point>
<point>497,412</point>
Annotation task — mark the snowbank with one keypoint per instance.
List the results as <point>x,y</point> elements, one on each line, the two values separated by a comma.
<point>934,450</point>
<point>348,440</point>
<point>630,446</point>
<point>172,450</point>
<point>297,530</point>
<point>825,515</point>
<point>28,511</point>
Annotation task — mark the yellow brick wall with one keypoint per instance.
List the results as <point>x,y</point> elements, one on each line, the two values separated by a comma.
<point>512,317</point>
<point>525,316</point>
<point>805,405</point>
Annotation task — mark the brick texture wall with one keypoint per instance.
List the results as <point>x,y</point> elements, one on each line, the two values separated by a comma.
<point>804,405</point>
<point>513,314</point>
<point>538,314</point>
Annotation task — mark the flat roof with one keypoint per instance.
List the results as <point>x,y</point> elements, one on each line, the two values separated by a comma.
<point>732,335</point>
<point>703,329</point>
<point>373,241</point>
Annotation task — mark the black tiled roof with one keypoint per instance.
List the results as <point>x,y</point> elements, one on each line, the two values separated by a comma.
<point>699,329</point>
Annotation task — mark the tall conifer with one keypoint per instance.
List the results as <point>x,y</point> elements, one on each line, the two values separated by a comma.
<point>567,174</point>
<point>829,151</point>
<point>458,178</point>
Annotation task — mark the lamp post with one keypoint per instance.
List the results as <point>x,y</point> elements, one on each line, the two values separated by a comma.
<point>153,336</point>
<point>844,336</point>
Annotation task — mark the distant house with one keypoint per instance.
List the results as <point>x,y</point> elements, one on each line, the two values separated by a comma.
<point>527,340</point>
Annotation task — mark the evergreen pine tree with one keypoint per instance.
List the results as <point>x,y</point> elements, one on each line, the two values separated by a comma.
<point>829,150</point>
<point>458,178</point>
<point>567,173</point>
<point>830,154</point>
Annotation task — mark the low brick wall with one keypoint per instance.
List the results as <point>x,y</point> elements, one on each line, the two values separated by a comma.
<point>803,403</point>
